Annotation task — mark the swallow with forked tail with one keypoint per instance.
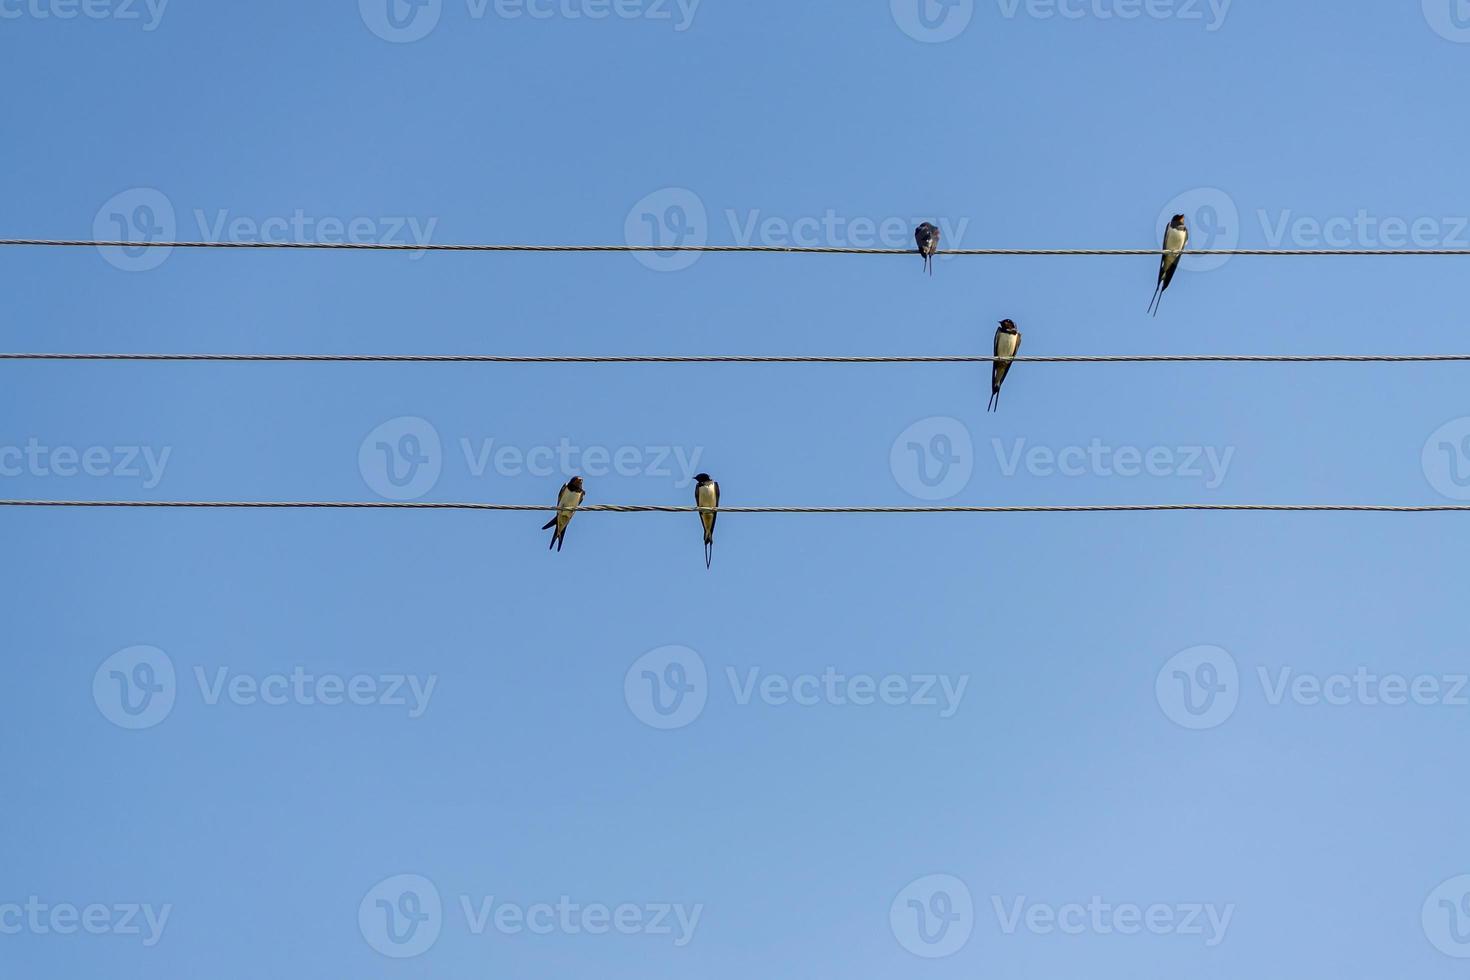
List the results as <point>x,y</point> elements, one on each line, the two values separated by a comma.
<point>567,502</point>
<point>1007,346</point>
<point>1176,237</point>
<point>707,499</point>
<point>927,235</point>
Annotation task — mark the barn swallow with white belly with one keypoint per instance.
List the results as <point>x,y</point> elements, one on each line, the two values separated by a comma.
<point>1176,237</point>
<point>707,499</point>
<point>1007,345</point>
<point>928,238</point>
<point>567,502</point>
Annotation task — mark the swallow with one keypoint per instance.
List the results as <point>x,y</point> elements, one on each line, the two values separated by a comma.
<point>928,238</point>
<point>1007,346</point>
<point>1176,237</point>
<point>707,499</point>
<point>567,502</point>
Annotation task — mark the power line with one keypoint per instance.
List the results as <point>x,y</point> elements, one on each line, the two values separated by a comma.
<point>752,359</point>
<point>656,509</point>
<point>771,249</point>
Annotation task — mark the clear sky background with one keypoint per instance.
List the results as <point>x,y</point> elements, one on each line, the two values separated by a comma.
<point>1332,834</point>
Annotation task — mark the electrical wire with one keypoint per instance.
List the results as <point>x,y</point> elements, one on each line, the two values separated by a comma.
<point>771,249</point>
<point>658,509</point>
<point>752,359</point>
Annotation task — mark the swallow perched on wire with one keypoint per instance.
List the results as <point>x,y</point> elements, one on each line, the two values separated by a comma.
<point>927,235</point>
<point>567,502</point>
<point>707,499</point>
<point>1007,345</point>
<point>1176,237</point>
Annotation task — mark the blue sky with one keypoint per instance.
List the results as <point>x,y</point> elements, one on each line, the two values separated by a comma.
<point>406,744</point>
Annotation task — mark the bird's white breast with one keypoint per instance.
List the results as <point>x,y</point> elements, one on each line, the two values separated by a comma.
<point>705,496</point>
<point>1175,239</point>
<point>1006,343</point>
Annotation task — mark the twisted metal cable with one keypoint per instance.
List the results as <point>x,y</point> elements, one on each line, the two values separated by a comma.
<point>776,249</point>
<point>656,509</point>
<point>753,359</point>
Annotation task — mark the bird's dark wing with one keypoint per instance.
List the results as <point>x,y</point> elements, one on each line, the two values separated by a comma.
<point>1166,274</point>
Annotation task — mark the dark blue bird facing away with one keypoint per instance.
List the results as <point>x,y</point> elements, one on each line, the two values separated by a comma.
<point>927,237</point>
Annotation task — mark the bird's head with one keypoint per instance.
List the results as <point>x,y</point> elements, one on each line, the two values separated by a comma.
<point>575,483</point>
<point>703,478</point>
<point>1008,325</point>
<point>1178,221</point>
